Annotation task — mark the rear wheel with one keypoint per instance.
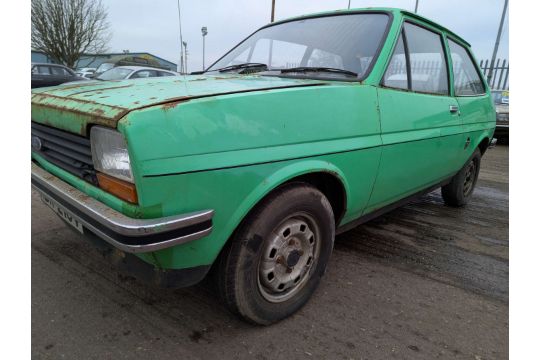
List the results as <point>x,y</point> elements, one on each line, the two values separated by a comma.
<point>459,191</point>
<point>277,257</point>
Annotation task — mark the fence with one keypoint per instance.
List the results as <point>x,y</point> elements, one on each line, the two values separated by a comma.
<point>499,78</point>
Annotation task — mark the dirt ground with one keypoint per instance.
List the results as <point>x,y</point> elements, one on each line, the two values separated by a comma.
<point>423,282</point>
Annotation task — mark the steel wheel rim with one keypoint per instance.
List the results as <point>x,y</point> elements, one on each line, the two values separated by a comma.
<point>470,175</point>
<point>289,255</point>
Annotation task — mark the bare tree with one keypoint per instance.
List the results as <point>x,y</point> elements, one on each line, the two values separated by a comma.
<point>66,29</point>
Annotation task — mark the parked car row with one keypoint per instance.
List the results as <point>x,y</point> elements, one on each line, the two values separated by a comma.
<point>119,68</point>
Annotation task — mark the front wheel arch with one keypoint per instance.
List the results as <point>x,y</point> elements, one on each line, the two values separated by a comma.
<point>311,172</point>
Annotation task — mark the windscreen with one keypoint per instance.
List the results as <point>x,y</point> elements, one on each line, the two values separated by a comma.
<point>347,42</point>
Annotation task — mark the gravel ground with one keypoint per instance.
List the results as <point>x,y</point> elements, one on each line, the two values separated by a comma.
<point>423,282</point>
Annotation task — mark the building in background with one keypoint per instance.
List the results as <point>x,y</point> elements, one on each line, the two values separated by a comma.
<point>95,60</point>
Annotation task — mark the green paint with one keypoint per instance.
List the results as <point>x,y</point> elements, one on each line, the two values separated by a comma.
<point>225,142</point>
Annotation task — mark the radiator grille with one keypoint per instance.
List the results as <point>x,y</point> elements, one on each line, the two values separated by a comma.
<point>65,150</point>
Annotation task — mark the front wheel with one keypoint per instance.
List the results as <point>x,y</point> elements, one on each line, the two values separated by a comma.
<point>277,257</point>
<point>459,191</point>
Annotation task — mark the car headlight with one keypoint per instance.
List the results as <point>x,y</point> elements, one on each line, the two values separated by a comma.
<point>110,154</point>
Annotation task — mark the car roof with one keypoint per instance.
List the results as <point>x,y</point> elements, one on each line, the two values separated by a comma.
<point>394,11</point>
<point>48,64</point>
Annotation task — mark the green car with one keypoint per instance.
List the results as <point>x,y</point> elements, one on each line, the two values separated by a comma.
<point>247,171</point>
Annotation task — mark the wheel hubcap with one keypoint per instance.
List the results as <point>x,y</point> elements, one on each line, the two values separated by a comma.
<point>288,257</point>
<point>470,175</point>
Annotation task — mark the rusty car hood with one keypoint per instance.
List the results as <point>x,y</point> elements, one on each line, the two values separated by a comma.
<point>72,107</point>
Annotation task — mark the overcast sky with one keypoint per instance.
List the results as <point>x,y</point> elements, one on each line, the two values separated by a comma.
<point>152,26</point>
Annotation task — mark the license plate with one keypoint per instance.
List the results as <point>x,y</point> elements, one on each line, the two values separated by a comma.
<point>63,213</point>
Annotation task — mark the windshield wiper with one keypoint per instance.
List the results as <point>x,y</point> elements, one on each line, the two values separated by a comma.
<point>242,66</point>
<point>318,69</point>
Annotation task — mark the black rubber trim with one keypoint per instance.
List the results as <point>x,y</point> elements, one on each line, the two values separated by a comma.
<point>145,272</point>
<point>123,239</point>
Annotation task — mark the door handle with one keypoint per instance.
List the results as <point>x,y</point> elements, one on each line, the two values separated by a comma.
<point>454,109</point>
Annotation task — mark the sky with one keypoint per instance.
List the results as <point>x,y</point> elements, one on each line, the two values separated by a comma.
<point>152,26</point>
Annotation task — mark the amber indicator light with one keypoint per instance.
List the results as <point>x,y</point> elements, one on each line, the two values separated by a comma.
<point>122,189</point>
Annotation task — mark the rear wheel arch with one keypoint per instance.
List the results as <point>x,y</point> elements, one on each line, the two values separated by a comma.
<point>483,145</point>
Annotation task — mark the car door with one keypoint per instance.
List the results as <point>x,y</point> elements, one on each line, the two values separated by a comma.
<point>470,91</point>
<point>61,75</point>
<point>41,76</point>
<point>420,124</point>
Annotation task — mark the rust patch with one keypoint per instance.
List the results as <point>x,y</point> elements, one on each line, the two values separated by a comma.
<point>100,90</point>
<point>97,111</point>
<point>36,98</point>
<point>169,105</point>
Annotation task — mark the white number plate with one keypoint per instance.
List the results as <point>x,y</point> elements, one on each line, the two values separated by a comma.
<point>63,213</point>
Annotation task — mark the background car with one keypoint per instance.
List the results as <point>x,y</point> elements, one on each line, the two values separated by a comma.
<point>133,72</point>
<point>52,74</point>
<point>129,72</point>
<point>86,72</point>
<point>127,60</point>
<point>501,98</point>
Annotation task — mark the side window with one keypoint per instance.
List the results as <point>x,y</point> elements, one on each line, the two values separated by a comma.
<point>44,70</point>
<point>396,73</point>
<point>467,81</point>
<point>163,73</point>
<point>144,74</point>
<point>427,60</point>
<point>59,71</point>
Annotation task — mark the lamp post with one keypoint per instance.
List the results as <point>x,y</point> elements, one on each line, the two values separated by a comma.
<point>185,56</point>
<point>204,32</point>
<point>349,5</point>
<point>273,10</point>
<point>496,48</point>
<point>416,7</point>
<point>182,70</point>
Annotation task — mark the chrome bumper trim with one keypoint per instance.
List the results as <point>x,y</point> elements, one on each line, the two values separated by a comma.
<point>125,233</point>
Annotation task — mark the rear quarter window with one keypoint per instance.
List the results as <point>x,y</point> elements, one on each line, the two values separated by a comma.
<point>467,80</point>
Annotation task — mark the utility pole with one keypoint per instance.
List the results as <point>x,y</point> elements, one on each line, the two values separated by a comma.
<point>204,31</point>
<point>496,48</point>
<point>416,7</point>
<point>273,10</point>
<point>181,41</point>
<point>349,5</point>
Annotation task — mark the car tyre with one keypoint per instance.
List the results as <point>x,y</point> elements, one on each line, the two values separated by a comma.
<point>458,192</point>
<point>276,258</point>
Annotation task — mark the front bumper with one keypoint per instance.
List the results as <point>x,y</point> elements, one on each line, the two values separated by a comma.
<point>124,233</point>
